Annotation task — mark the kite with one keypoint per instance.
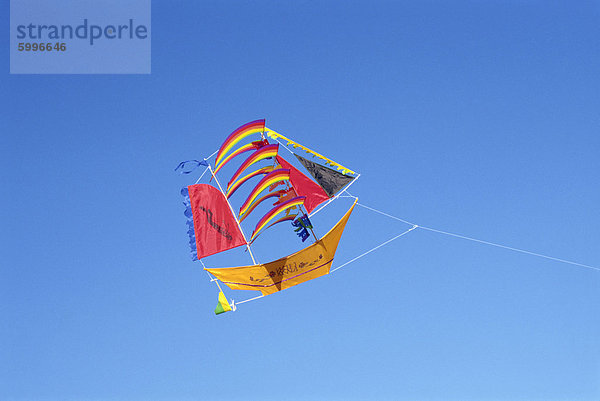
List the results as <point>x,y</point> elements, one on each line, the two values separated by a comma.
<point>215,227</point>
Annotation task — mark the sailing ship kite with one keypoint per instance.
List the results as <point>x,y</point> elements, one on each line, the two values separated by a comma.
<point>214,224</point>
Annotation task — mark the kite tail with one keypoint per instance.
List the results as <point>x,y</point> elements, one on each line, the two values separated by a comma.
<point>190,223</point>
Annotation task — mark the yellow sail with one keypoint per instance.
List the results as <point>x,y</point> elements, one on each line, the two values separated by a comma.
<point>306,264</point>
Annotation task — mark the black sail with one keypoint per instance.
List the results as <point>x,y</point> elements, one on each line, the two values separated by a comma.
<point>330,180</point>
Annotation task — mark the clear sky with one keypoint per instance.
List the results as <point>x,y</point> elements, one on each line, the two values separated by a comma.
<point>474,117</point>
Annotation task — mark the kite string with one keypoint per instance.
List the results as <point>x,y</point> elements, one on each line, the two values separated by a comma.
<point>383,213</point>
<point>510,248</point>
<point>377,247</point>
<point>479,240</point>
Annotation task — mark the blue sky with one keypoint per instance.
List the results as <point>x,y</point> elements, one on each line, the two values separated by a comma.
<point>478,118</point>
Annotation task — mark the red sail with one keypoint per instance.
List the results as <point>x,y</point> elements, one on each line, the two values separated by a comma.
<point>214,225</point>
<point>304,186</point>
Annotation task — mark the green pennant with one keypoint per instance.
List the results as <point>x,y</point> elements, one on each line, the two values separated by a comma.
<point>222,305</point>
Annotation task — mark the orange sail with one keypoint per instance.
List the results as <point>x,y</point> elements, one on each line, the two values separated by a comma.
<point>306,264</point>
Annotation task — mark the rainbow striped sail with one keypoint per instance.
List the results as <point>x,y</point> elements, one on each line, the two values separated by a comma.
<point>261,154</point>
<point>268,180</point>
<point>257,202</point>
<point>246,148</point>
<point>253,127</point>
<point>238,183</point>
<point>297,201</point>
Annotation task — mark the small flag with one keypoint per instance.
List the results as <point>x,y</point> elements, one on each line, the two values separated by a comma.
<point>302,223</point>
<point>223,305</point>
<point>304,234</point>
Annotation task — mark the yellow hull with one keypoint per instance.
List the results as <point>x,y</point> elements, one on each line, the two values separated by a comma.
<point>306,264</point>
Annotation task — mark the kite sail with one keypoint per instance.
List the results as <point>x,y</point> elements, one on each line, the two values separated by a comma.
<point>214,226</point>
<point>304,186</point>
